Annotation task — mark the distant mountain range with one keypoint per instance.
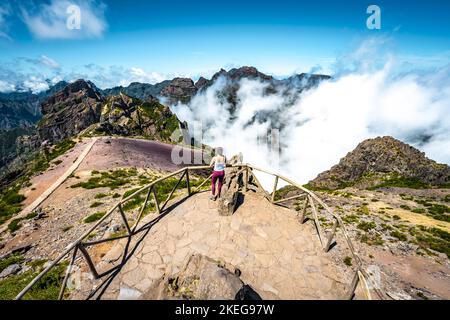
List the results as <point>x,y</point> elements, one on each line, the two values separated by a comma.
<point>23,109</point>
<point>140,109</point>
<point>81,106</point>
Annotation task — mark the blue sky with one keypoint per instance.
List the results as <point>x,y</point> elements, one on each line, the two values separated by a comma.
<point>123,41</point>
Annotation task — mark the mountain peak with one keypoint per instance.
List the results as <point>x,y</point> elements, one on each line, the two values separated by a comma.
<point>241,72</point>
<point>380,160</point>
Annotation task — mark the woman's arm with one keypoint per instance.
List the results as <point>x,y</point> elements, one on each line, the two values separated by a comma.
<point>213,160</point>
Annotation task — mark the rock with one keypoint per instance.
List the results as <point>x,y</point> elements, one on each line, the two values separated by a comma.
<point>25,269</point>
<point>114,228</point>
<point>124,115</point>
<point>10,270</point>
<point>247,293</point>
<point>403,248</point>
<point>201,278</point>
<point>69,111</point>
<point>399,295</point>
<point>40,214</point>
<point>227,202</point>
<point>201,83</point>
<point>236,159</point>
<point>380,159</point>
<point>127,293</point>
<point>179,89</point>
<point>21,249</point>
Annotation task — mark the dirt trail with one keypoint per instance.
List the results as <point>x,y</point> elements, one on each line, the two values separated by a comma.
<point>51,189</point>
<point>54,180</point>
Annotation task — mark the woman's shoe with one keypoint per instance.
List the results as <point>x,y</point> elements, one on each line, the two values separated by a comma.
<point>213,198</point>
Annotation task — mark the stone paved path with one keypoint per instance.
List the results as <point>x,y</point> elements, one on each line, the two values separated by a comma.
<point>278,257</point>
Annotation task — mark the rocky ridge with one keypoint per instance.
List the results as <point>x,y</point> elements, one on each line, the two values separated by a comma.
<point>383,161</point>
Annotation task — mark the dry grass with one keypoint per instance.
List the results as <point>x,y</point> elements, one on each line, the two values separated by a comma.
<point>406,215</point>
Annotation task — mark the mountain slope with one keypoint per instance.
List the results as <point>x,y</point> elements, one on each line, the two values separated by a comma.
<point>384,161</point>
<point>138,90</point>
<point>22,109</point>
<point>70,111</point>
<point>127,116</point>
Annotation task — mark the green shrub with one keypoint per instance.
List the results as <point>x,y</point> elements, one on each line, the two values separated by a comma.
<point>94,217</point>
<point>351,218</point>
<point>401,182</point>
<point>405,207</point>
<point>363,210</point>
<point>397,234</point>
<point>100,195</point>
<point>47,288</point>
<point>95,204</point>
<point>14,225</point>
<point>439,212</point>
<point>372,239</point>
<point>10,202</point>
<point>130,192</point>
<point>436,239</point>
<point>12,259</point>
<point>112,180</point>
<point>348,261</point>
<point>366,226</point>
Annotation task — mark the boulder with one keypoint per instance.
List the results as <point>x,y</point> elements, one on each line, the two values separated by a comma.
<point>10,270</point>
<point>202,278</point>
<point>228,200</point>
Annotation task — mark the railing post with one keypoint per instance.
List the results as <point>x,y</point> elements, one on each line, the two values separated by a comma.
<point>331,236</point>
<point>316,220</point>
<point>122,214</point>
<point>89,261</point>
<point>141,212</point>
<point>303,212</point>
<point>66,277</point>
<point>187,182</point>
<point>246,179</point>
<point>352,288</point>
<point>158,210</point>
<point>274,188</point>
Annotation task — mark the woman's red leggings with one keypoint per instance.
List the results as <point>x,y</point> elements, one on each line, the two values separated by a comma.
<point>217,175</point>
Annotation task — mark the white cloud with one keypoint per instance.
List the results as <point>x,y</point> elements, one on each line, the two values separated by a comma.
<point>139,75</point>
<point>35,71</point>
<point>48,62</point>
<point>49,21</point>
<point>35,84</point>
<point>6,86</point>
<point>325,123</point>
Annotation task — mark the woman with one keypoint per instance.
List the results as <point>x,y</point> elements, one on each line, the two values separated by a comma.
<point>219,163</point>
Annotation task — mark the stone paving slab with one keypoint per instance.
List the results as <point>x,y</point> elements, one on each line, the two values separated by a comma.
<point>277,256</point>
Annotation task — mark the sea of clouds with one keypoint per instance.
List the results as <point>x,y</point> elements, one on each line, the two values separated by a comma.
<point>366,98</point>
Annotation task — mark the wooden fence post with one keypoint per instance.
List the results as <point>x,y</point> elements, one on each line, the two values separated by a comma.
<point>274,188</point>
<point>187,182</point>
